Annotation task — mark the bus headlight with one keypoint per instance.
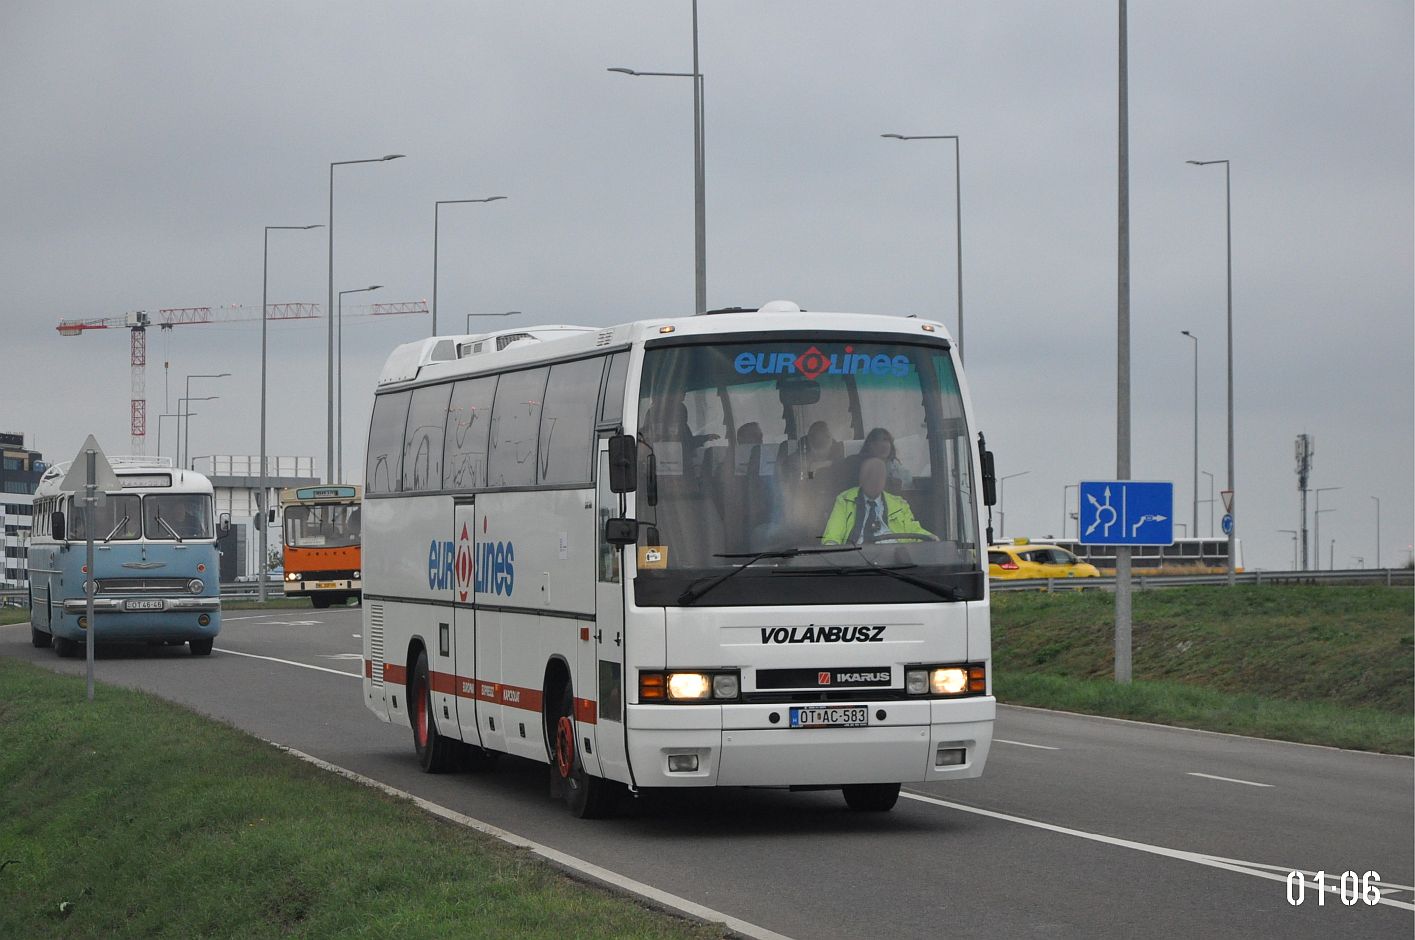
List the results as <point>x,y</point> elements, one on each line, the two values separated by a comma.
<point>725,685</point>
<point>358,574</point>
<point>916,681</point>
<point>292,576</point>
<point>688,685</point>
<point>950,680</point>
<point>196,585</point>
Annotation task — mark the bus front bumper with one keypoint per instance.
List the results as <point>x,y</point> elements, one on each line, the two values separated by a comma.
<point>740,745</point>
<point>314,587</point>
<point>143,605</point>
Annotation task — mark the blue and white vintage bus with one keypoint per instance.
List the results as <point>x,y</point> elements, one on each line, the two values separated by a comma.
<point>156,570</point>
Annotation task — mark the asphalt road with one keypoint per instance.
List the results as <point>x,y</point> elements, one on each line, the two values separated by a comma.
<point>1079,826</point>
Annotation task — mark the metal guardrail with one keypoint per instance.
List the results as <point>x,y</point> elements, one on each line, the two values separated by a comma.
<point>1388,577</point>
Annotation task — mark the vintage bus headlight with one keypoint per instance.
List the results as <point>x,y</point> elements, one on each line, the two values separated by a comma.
<point>196,585</point>
<point>292,576</point>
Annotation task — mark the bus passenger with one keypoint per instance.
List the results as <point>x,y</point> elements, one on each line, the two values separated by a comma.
<point>866,513</point>
<point>879,443</point>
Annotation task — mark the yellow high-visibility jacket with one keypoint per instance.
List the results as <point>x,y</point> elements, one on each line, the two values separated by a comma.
<point>898,517</point>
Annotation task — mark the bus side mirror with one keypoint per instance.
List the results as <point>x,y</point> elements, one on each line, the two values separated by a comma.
<point>989,474</point>
<point>621,531</point>
<point>223,525</point>
<point>623,466</point>
<point>56,526</point>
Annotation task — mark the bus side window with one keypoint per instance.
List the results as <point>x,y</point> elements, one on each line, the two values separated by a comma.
<point>422,447</point>
<point>383,472</point>
<point>611,407</point>
<point>567,421</point>
<point>468,422</point>
<point>515,428</point>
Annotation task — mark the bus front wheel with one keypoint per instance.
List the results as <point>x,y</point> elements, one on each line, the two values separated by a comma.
<point>320,600</point>
<point>435,752</point>
<point>66,648</point>
<point>201,647</point>
<point>588,797</point>
<point>871,797</point>
<point>38,638</point>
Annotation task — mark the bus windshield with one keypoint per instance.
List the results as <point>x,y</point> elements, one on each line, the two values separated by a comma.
<point>321,526</point>
<point>177,516</point>
<point>795,447</point>
<point>115,518</point>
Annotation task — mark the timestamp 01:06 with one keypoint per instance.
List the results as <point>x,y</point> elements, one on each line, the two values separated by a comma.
<point>1351,887</point>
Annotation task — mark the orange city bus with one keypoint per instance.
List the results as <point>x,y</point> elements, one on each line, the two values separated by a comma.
<point>321,543</point>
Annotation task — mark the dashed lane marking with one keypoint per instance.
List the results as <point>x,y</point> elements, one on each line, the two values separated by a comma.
<point>1040,747</point>
<point>1246,783</point>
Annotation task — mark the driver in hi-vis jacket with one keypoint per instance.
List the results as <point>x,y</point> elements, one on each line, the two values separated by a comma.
<point>866,513</point>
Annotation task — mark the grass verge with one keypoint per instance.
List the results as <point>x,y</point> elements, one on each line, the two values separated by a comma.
<point>1321,665</point>
<point>135,817</point>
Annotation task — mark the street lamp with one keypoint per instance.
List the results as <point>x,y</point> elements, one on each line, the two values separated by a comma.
<point>436,208</point>
<point>329,370</point>
<point>699,167</point>
<point>1293,533</point>
<point>185,415</point>
<point>1228,242</point>
<point>261,473</point>
<point>1376,498</point>
<point>958,215</point>
<point>1001,500</point>
<point>508,313</point>
<point>181,460</point>
<point>1196,428</point>
<point>339,395</point>
<point>1064,490</point>
<point>1317,533</point>
<point>159,430</point>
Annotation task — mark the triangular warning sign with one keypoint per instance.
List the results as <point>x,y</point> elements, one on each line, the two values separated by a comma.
<point>1227,496</point>
<point>77,477</point>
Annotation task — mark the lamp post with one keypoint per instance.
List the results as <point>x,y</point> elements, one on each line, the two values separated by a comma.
<point>1317,526</point>
<point>184,417</point>
<point>508,313</point>
<point>1378,520</point>
<point>1064,490</point>
<point>1228,249</point>
<point>339,395</point>
<point>957,215</point>
<point>436,208</point>
<point>699,168</point>
<point>1293,533</point>
<point>261,473</point>
<point>1210,501</point>
<point>1001,500</point>
<point>181,460</point>
<point>1196,428</point>
<point>329,310</point>
<point>159,430</point>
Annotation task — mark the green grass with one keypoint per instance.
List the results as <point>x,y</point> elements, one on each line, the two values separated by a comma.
<point>14,615</point>
<point>1323,665</point>
<point>135,817</point>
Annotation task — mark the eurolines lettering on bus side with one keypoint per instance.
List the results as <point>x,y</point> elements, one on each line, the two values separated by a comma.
<point>813,363</point>
<point>494,569</point>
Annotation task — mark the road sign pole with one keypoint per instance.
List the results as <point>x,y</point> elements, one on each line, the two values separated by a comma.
<point>1122,410</point>
<point>90,580</point>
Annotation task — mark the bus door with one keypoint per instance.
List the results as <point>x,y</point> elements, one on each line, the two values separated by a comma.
<point>476,666</point>
<point>606,673</point>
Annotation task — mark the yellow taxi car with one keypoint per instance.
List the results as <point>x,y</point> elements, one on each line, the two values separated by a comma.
<point>1021,560</point>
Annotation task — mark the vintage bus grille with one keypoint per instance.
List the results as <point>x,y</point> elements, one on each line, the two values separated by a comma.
<point>141,585</point>
<point>375,643</point>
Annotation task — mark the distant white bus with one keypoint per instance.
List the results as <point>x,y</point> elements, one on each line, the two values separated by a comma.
<point>637,554</point>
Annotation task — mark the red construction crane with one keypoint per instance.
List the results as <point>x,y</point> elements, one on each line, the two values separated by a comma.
<point>138,322</point>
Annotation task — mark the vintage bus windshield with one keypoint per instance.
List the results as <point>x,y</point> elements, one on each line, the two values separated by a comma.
<point>321,526</point>
<point>173,516</point>
<point>802,445</point>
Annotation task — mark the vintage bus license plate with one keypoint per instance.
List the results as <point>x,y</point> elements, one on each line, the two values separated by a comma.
<point>142,603</point>
<point>829,716</point>
<point>326,585</point>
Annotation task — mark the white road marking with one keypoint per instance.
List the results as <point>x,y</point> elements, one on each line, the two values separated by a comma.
<point>289,623</point>
<point>291,662</point>
<point>342,656</point>
<point>1040,747</point>
<point>1310,874</point>
<point>251,617</point>
<point>1197,858</point>
<point>614,879</point>
<point>357,636</point>
<point>1246,783</point>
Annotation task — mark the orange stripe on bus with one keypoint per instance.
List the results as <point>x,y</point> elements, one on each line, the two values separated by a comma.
<point>500,693</point>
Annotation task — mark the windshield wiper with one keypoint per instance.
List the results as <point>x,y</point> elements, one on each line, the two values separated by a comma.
<point>163,522</point>
<point>693,592</point>
<point>121,523</point>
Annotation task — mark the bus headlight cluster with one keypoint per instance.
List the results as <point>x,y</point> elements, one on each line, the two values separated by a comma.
<point>292,576</point>
<point>686,686</point>
<point>946,681</point>
<point>196,585</point>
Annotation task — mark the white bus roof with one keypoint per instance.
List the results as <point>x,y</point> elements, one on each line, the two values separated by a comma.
<point>136,473</point>
<point>445,356</point>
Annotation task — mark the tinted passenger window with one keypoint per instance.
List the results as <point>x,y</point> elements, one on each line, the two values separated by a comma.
<point>567,422</point>
<point>612,408</point>
<point>468,421</point>
<point>422,447</point>
<point>383,472</point>
<point>515,427</point>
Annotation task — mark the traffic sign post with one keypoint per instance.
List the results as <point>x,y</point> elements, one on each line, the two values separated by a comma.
<point>1126,512</point>
<point>1227,524</point>
<point>91,470</point>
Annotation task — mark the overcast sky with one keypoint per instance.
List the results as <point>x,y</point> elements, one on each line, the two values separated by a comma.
<point>148,144</point>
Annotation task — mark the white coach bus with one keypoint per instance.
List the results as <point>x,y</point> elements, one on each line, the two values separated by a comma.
<point>737,549</point>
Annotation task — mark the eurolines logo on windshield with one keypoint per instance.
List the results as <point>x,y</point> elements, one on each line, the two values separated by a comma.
<point>813,363</point>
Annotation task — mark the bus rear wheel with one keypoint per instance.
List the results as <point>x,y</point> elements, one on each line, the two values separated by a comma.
<point>436,753</point>
<point>588,796</point>
<point>201,647</point>
<point>871,797</point>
